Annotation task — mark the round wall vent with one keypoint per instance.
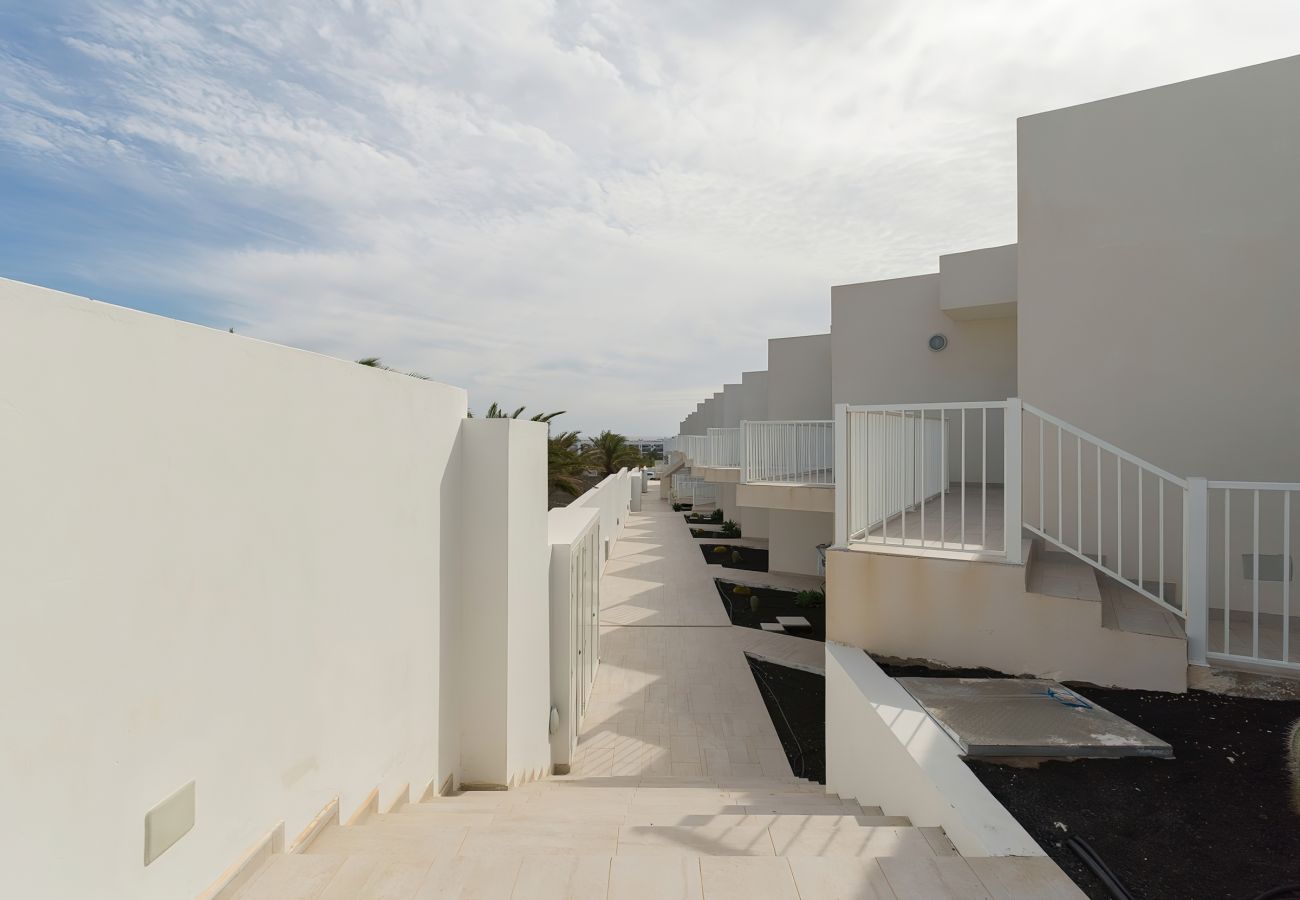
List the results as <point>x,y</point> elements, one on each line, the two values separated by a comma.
<point>938,342</point>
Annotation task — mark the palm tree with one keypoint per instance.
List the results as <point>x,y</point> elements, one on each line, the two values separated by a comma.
<point>610,452</point>
<point>565,464</point>
<point>375,362</point>
<point>496,411</point>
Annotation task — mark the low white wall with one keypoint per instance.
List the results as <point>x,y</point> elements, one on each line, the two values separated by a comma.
<point>613,498</point>
<point>574,536</point>
<point>883,749</point>
<point>792,540</point>
<point>220,560</point>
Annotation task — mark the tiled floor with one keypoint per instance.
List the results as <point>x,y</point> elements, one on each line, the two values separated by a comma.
<point>947,524</point>
<point>674,694</point>
<point>680,790</point>
<point>1241,635</point>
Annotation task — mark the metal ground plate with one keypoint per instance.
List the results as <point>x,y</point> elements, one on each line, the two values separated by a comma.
<point>1028,717</point>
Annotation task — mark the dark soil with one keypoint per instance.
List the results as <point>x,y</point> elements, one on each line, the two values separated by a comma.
<point>706,533</point>
<point>918,670</point>
<point>771,603</point>
<point>1217,821</point>
<point>749,558</point>
<point>796,701</point>
<point>701,519</point>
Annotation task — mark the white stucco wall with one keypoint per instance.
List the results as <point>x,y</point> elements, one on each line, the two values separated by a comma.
<point>505,565</point>
<point>879,335</point>
<point>753,396</point>
<point>978,284</point>
<point>1158,271</point>
<point>792,539</point>
<point>220,560</point>
<point>731,405</point>
<point>883,749</point>
<point>799,377</point>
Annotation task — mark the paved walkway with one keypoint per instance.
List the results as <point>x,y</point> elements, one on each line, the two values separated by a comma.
<point>674,694</point>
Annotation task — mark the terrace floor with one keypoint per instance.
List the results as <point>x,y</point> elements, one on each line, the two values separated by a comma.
<point>944,522</point>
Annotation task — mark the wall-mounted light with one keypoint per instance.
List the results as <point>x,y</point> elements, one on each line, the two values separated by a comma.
<point>937,342</point>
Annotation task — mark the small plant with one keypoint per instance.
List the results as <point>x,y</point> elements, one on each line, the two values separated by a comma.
<point>737,557</point>
<point>730,529</point>
<point>719,550</point>
<point>754,603</point>
<point>715,516</point>
<point>741,590</point>
<point>677,507</point>
<point>810,599</point>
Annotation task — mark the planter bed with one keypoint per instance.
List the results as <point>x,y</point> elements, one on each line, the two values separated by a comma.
<point>752,559</point>
<point>713,533</point>
<point>796,701</point>
<point>697,519</point>
<point>771,603</point>
<point>1215,822</point>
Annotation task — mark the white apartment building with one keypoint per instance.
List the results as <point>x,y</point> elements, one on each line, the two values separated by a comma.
<point>1074,454</point>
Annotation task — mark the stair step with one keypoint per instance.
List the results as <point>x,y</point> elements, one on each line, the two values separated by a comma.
<point>794,838</point>
<point>768,820</point>
<point>291,877</point>
<point>1124,609</point>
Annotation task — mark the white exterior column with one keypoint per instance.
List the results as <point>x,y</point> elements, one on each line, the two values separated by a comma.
<point>842,475</point>
<point>1012,516</point>
<point>504,665</point>
<point>1196,571</point>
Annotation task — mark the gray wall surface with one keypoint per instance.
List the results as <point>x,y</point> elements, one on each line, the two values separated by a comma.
<point>799,377</point>
<point>1159,283</point>
<point>879,334</point>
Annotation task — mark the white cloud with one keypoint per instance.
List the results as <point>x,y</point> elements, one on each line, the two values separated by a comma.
<point>599,205</point>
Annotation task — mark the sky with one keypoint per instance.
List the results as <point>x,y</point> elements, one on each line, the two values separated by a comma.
<point>600,206</point>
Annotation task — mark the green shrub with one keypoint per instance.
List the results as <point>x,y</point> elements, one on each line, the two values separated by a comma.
<point>715,516</point>
<point>737,557</point>
<point>719,550</point>
<point>741,590</point>
<point>677,507</point>
<point>810,599</point>
<point>754,603</point>
<point>730,529</point>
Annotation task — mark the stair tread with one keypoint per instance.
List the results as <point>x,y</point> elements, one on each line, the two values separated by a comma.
<point>1124,609</point>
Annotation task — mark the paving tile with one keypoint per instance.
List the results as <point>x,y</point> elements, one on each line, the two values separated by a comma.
<point>746,878</point>
<point>718,839</point>
<point>469,878</point>
<point>563,878</point>
<point>791,840</point>
<point>1024,878</point>
<point>292,876</point>
<point>820,878</point>
<point>918,878</point>
<point>366,877</point>
<point>655,878</point>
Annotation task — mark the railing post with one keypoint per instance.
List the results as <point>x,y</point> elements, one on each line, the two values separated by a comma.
<point>744,452</point>
<point>1196,579</point>
<point>1012,518</point>
<point>842,474</point>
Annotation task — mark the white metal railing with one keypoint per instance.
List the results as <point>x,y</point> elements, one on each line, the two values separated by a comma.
<point>1105,506</point>
<point>723,448</point>
<point>1250,566</point>
<point>694,447</point>
<point>788,452</point>
<point>1218,554</point>
<point>693,489</point>
<point>925,475</point>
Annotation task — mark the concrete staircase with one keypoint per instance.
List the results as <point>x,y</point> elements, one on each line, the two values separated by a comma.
<point>643,837</point>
